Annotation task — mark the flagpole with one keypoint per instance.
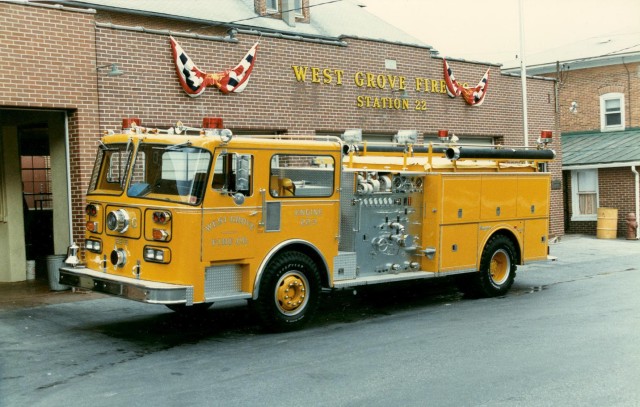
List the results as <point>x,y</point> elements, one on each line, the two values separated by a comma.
<point>523,78</point>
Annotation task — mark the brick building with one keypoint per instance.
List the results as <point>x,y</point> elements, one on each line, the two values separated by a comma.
<point>599,104</point>
<point>321,70</point>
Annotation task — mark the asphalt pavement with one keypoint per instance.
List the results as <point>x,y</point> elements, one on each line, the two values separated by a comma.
<point>566,334</point>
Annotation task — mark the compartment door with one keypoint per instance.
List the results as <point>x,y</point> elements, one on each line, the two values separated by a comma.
<point>536,233</point>
<point>459,247</point>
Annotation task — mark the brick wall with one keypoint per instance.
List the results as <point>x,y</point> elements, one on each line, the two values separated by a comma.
<point>616,190</point>
<point>49,63</point>
<point>584,86</point>
<point>273,100</point>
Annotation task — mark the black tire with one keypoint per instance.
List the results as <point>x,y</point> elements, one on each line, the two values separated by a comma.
<point>289,292</point>
<point>194,309</point>
<point>498,265</point>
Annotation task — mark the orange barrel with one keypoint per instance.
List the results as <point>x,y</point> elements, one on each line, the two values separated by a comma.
<point>607,223</point>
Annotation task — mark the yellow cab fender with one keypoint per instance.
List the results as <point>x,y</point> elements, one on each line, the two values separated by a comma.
<point>294,245</point>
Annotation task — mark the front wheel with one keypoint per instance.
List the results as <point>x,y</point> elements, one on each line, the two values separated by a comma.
<point>289,292</point>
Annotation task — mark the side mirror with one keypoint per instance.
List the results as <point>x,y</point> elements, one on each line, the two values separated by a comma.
<point>238,198</point>
<point>243,169</point>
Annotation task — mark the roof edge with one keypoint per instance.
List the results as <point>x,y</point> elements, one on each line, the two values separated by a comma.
<point>85,10</point>
<point>580,63</point>
<point>598,132</point>
<point>620,164</point>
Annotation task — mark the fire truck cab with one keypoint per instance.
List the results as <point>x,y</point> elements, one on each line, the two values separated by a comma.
<point>189,217</point>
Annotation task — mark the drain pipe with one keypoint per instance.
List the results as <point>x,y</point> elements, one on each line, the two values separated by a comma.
<point>637,188</point>
<point>68,158</point>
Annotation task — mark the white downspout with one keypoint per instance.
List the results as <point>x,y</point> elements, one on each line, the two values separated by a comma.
<point>637,188</point>
<point>523,78</point>
<point>68,158</point>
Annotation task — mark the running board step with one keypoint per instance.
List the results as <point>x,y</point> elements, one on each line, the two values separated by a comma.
<point>384,278</point>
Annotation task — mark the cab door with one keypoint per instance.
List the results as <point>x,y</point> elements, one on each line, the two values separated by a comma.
<point>232,209</point>
<point>302,201</point>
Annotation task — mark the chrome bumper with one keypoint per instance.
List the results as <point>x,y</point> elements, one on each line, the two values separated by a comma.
<point>125,287</point>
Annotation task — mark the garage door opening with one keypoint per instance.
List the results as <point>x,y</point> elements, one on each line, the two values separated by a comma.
<point>34,190</point>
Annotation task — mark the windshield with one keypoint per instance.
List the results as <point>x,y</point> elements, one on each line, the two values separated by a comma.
<point>110,169</point>
<point>170,173</point>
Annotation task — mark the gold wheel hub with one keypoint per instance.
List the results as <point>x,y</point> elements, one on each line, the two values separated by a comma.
<point>291,293</point>
<point>500,267</point>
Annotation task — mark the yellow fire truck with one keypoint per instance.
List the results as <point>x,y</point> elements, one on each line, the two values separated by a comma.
<point>188,217</point>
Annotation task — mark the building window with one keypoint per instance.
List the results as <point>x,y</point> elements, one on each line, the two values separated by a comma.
<point>36,181</point>
<point>298,6</point>
<point>272,5</point>
<point>612,112</point>
<point>584,194</point>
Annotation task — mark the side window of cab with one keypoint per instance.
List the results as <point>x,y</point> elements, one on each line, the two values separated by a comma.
<point>301,176</point>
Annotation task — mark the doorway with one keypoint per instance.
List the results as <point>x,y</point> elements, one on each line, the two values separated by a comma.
<point>34,190</point>
<point>37,197</point>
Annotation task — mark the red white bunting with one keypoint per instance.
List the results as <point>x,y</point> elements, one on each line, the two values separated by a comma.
<point>473,96</point>
<point>194,81</point>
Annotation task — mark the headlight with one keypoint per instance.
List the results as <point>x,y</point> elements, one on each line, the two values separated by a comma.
<point>93,245</point>
<point>118,221</point>
<point>157,254</point>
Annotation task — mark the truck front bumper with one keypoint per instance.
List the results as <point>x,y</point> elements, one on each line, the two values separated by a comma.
<point>139,290</point>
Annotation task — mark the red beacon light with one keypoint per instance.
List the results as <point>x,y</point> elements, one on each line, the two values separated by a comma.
<point>212,123</point>
<point>211,126</point>
<point>131,123</point>
<point>443,135</point>
<point>546,137</point>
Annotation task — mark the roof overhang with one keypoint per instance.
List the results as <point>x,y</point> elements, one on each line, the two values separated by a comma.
<point>600,165</point>
<point>582,63</point>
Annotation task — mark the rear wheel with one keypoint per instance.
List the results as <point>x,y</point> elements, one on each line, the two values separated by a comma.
<point>497,269</point>
<point>289,292</point>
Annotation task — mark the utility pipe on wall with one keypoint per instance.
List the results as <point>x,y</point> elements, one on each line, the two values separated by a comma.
<point>637,188</point>
<point>68,159</point>
<point>523,77</point>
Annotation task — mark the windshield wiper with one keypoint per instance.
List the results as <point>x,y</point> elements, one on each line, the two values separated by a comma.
<point>174,147</point>
<point>104,147</point>
<point>127,156</point>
